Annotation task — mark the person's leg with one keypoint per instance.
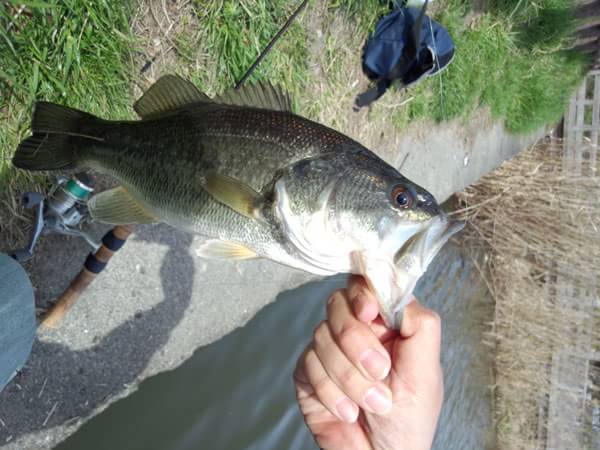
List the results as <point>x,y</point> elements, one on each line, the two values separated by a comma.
<point>17,318</point>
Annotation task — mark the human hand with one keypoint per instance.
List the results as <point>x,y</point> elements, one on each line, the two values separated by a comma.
<point>361,385</point>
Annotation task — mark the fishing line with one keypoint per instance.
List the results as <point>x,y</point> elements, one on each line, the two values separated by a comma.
<point>403,161</point>
<point>441,72</point>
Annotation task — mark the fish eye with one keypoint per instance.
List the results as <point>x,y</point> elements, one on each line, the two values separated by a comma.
<point>402,198</point>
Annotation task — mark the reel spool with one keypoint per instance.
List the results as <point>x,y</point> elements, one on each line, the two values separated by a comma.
<point>61,211</point>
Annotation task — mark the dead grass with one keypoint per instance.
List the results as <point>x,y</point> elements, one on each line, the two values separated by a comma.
<point>539,222</point>
<point>335,77</point>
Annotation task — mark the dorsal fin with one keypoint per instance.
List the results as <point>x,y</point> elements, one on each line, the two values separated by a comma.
<point>170,92</point>
<point>260,95</point>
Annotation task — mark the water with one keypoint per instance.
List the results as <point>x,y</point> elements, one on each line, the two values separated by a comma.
<point>237,393</point>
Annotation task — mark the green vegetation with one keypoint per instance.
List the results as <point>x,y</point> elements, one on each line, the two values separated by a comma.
<point>365,13</point>
<point>512,58</point>
<point>68,51</point>
<point>232,34</point>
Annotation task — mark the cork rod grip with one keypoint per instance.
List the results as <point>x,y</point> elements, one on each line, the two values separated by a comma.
<point>94,264</point>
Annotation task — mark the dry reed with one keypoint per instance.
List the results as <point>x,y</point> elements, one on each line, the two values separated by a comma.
<point>537,217</point>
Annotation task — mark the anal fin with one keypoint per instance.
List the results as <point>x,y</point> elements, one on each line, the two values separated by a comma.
<point>217,249</point>
<point>117,206</point>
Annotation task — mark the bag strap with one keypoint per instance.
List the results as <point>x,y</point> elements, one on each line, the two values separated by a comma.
<point>371,94</point>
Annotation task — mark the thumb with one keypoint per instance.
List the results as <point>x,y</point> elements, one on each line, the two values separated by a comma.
<point>416,353</point>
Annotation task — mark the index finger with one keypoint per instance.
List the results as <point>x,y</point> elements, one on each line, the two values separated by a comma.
<point>366,308</point>
<point>364,302</point>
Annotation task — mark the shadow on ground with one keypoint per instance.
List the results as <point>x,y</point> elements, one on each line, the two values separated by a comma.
<point>59,384</point>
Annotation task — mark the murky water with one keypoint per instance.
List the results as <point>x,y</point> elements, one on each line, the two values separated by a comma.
<point>238,393</point>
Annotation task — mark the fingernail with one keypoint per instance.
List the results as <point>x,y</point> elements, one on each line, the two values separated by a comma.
<point>354,301</point>
<point>375,364</point>
<point>361,297</point>
<point>378,399</point>
<point>347,410</point>
<point>363,308</point>
<point>358,304</point>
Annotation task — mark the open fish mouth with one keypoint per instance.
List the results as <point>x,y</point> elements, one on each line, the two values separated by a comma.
<point>394,279</point>
<point>420,249</point>
<point>413,258</point>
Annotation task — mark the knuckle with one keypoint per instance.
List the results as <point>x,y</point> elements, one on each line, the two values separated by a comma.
<point>320,332</point>
<point>310,364</point>
<point>299,367</point>
<point>349,379</point>
<point>303,358</point>
<point>322,387</point>
<point>299,375</point>
<point>337,296</point>
<point>307,358</point>
<point>350,336</point>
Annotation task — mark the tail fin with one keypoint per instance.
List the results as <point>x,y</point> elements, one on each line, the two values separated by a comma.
<point>51,147</point>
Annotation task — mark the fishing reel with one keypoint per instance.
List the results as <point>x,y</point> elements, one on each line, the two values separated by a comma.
<point>63,211</point>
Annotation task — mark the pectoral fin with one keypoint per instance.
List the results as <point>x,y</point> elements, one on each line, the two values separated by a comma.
<point>117,206</point>
<point>217,249</point>
<point>233,193</point>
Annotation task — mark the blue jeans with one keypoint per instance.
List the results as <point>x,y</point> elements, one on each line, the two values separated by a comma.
<point>17,318</point>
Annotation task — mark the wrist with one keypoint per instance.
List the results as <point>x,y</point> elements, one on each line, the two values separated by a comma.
<point>397,434</point>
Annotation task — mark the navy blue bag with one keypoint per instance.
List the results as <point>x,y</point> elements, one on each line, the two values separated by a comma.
<point>406,46</point>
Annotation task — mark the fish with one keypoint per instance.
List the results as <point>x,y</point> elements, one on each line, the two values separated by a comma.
<point>255,179</point>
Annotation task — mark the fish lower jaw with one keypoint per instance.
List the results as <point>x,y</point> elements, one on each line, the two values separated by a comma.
<point>399,296</point>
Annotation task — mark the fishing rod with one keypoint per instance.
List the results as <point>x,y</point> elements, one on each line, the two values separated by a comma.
<point>63,211</point>
<point>93,265</point>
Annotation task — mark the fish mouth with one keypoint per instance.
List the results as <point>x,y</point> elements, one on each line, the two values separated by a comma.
<point>394,279</point>
<point>413,258</point>
<point>425,244</point>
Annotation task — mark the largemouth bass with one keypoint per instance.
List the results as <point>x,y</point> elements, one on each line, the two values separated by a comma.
<point>255,178</point>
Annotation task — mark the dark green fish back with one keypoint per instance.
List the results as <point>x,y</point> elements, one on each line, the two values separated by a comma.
<point>244,143</point>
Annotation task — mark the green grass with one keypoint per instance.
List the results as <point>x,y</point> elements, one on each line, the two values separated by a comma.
<point>511,58</point>
<point>66,51</point>
<point>364,13</point>
<point>232,34</point>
